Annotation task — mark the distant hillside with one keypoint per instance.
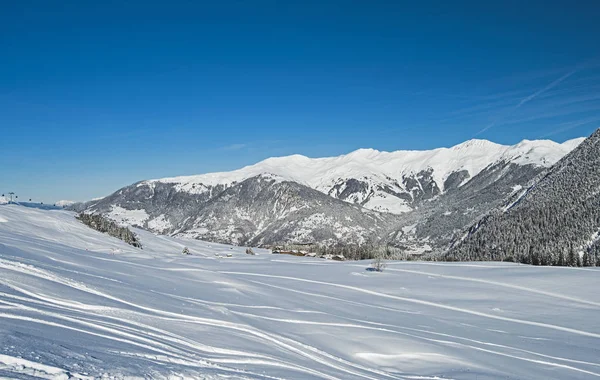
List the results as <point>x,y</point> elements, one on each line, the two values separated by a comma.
<point>42,206</point>
<point>261,210</point>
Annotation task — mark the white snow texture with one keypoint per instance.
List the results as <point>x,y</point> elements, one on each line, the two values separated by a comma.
<point>75,303</point>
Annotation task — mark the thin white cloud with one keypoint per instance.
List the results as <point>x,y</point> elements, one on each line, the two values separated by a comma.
<point>234,147</point>
<point>571,125</point>
<point>528,99</point>
<point>551,111</point>
<point>548,87</point>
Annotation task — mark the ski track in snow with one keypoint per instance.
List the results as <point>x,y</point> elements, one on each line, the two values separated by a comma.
<point>426,303</point>
<point>517,287</point>
<point>64,294</point>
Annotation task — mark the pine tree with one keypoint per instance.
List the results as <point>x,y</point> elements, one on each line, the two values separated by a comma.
<point>571,261</point>
<point>586,259</point>
<point>561,259</point>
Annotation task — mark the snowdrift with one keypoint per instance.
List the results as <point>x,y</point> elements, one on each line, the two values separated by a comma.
<point>75,303</point>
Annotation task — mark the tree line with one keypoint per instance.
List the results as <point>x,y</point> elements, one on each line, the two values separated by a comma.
<point>109,227</point>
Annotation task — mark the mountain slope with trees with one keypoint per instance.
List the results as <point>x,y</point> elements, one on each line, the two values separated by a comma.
<point>107,226</point>
<point>556,221</point>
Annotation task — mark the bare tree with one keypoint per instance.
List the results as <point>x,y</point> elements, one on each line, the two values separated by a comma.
<point>378,263</point>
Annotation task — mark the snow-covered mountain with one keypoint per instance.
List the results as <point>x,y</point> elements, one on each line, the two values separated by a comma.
<point>259,210</point>
<point>386,181</point>
<point>557,216</point>
<point>79,304</point>
<point>64,203</point>
<point>413,198</point>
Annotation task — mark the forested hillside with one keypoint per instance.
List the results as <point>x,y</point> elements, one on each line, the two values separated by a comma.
<point>107,226</point>
<point>554,222</point>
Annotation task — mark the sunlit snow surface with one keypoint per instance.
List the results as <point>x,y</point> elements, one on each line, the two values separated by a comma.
<point>385,167</point>
<point>79,304</point>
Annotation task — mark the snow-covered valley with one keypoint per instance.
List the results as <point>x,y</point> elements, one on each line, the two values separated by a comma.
<point>75,303</point>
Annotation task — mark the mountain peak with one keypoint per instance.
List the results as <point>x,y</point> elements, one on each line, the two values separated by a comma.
<point>373,165</point>
<point>365,151</point>
<point>475,143</point>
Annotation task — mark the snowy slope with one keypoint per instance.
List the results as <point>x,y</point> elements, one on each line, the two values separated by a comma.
<point>379,169</point>
<point>78,304</point>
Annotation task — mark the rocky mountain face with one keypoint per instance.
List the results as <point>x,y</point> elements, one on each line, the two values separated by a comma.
<point>556,220</point>
<point>257,211</point>
<point>435,224</point>
<point>417,200</point>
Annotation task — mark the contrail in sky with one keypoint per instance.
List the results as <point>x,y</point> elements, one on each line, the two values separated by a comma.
<point>527,99</point>
<point>548,87</point>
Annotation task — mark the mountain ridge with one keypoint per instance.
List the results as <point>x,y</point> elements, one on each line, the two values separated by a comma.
<point>389,168</point>
<point>362,152</point>
<point>413,199</point>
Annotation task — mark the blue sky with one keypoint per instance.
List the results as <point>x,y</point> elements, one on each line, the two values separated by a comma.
<point>97,96</point>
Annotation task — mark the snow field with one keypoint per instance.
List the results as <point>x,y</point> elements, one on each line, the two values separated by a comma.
<point>75,303</point>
